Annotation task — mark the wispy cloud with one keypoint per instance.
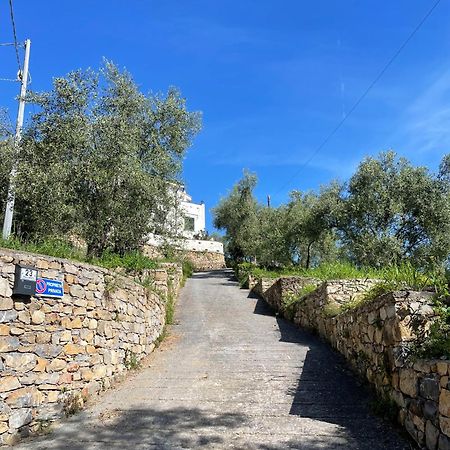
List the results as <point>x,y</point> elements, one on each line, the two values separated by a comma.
<point>425,129</point>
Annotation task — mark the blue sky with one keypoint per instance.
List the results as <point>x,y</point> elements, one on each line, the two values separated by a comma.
<point>272,78</point>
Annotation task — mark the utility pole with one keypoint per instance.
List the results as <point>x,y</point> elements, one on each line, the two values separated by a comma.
<point>9,211</point>
<point>268,201</point>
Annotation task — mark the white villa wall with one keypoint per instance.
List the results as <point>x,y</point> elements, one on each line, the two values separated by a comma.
<point>197,212</point>
<point>194,245</point>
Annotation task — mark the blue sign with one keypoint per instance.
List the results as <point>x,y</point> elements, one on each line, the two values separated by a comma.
<point>49,288</point>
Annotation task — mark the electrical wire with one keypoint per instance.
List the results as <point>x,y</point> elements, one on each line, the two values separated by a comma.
<point>362,97</point>
<point>13,23</point>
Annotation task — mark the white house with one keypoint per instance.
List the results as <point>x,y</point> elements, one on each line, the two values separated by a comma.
<point>190,226</point>
<point>193,223</point>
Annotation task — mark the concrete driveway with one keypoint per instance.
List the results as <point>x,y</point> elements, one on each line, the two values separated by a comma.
<point>231,376</point>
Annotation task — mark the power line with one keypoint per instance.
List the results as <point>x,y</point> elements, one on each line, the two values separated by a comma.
<point>363,96</point>
<point>13,23</point>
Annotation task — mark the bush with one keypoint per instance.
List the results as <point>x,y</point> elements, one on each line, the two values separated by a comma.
<point>242,272</point>
<point>188,268</point>
<point>133,261</point>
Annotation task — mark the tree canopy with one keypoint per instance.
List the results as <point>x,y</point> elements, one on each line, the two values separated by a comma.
<point>99,159</point>
<point>389,212</point>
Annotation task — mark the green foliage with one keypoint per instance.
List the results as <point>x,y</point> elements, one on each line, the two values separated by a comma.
<point>133,261</point>
<point>395,212</point>
<point>108,159</point>
<point>309,226</point>
<point>435,342</point>
<point>130,360</point>
<point>6,153</point>
<point>188,268</point>
<point>243,270</point>
<point>170,309</point>
<point>290,301</point>
<point>337,270</point>
<point>237,215</point>
<point>384,406</point>
<point>332,309</point>
<point>59,248</point>
<point>388,214</point>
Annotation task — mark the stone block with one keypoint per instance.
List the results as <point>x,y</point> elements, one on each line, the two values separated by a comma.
<point>48,351</point>
<point>16,331</point>
<point>6,303</point>
<point>20,417</point>
<point>57,365</point>
<point>444,442</point>
<point>41,364</point>
<point>429,387</point>
<point>5,288</point>
<point>20,362</point>
<point>408,382</point>
<point>37,317</point>
<point>9,343</point>
<point>9,383</point>
<point>444,402</point>
<point>8,316</point>
<point>442,367</point>
<point>65,378</point>
<point>24,398</point>
<point>73,349</point>
<point>76,323</point>
<point>76,291</point>
<point>24,316</point>
<point>444,423</point>
<point>43,338</point>
<point>49,412</point>
<point>431,436</point>
<point>430,410</point>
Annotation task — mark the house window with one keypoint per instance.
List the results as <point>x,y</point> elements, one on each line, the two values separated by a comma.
<point>189,224</point>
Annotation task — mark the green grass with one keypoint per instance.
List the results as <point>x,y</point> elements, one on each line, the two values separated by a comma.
<point>51,247</point>
<point>395,277</point>
<point>133,261</point>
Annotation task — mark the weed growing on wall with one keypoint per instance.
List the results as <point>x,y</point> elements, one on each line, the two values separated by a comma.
<point>290,301</point>
<point>130,360</point>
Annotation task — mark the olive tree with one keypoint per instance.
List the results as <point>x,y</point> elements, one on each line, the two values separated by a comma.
<point>394,211</point>
<point>310,225</point>
<point>237,214</point>
<point>100,158</point>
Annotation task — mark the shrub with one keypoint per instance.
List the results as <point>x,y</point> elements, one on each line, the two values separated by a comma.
<point>188,268</point>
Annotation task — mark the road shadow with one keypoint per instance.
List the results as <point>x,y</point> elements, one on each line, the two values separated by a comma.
<point>225,277</point>
<point>175,428</point>
<point>190,428</point>
<point>221,273</point>
<point>328,391</point>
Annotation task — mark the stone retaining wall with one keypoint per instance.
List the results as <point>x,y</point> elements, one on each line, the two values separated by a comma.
<point>204,261</point>
<point>375,338</point>
<point>200,260</point>
<point>54,353</point>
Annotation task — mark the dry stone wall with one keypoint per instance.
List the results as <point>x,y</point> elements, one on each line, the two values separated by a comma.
<point>375,338</point>
<point>204,261</point>
<point>200,260</point>
<point>54,353</point>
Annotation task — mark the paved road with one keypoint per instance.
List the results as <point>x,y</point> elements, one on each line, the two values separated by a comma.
<point>232,376</point>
